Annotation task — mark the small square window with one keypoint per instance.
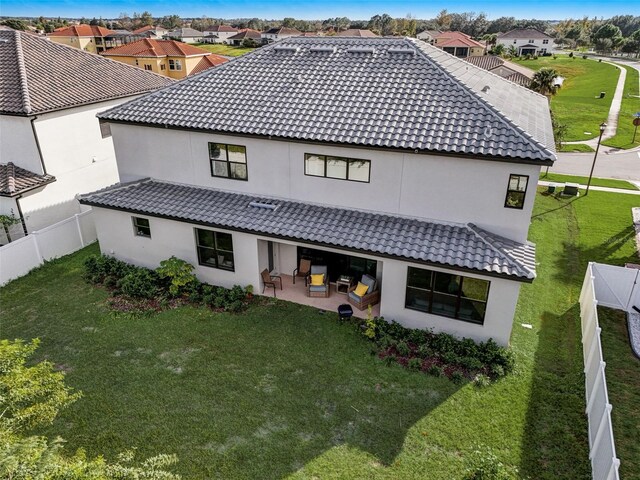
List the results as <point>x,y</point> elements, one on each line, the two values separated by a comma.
<point>516,191</point>
<point>141,227</point>
<point>147,66</point>
<point>228,161</point>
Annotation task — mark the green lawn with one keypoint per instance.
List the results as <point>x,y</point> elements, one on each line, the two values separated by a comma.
<point>576,104</point>
<point>575,147</point>
<point>623,384</point>
<point>221,49</point>
<point>630,106</point>
<point>284,391</point>
<point>596,182</point>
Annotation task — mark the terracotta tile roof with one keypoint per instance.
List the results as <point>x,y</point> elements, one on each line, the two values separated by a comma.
<point>456,39</point>
<point>15,180</point>
<point>155,48</point>
<point>207,62</point>
<point>81,30</point>
<point>355,32</point>
<point>246,33</point>
<point>38,75</point>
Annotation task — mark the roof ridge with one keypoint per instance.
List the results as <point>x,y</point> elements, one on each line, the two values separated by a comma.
<point>503,118</point>
<point>22,72</point>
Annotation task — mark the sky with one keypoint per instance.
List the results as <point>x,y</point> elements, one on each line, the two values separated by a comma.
<point>317,10</point>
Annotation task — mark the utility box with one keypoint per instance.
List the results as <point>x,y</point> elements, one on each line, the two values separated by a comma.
<point>602,94</point>
<point>570,189</point>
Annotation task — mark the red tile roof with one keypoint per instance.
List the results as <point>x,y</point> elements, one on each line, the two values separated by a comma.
<point>155,48</point>
<point>81,30</point>
<point>207,62</point>
<point>144,29</point>
<point>456,39</point>
<point>246,33</point>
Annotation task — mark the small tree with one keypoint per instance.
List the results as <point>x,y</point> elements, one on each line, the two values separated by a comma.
<point>544,82</point>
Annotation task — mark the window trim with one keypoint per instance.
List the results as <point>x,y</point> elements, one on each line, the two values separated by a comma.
<point>459,297</point>
<point>136,227</point>
<point>215,249</point>
<point>524,197</point>
<point>228,162</point>
<point>347,159</point>
<point>175,65</point>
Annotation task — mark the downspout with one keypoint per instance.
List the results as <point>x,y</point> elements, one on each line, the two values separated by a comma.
<point>35,136</point>
<point>24,224</point>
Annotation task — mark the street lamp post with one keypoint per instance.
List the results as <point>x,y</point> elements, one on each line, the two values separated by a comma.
<point>602,128</point>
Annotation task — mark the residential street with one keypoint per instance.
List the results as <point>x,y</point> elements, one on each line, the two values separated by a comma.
<point>625,165</point>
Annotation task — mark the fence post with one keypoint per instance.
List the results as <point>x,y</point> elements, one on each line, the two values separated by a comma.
<point>34,235</point>
<point>77,217</point>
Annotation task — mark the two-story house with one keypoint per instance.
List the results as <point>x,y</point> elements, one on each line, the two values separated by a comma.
<point>166,57</point>
<point>219,33</point>
<point>459,44</point>
<point>90,38</point>
<point>52,146</point>
<point>377,156</point>
<point>526,41</point>
<point>278,33</point>
<point>186,35</point>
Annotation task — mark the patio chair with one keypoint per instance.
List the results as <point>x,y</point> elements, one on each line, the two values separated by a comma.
<point>269,280</point>
<point>360,297</point>
<point>321,290</point>
<point>303,270</point>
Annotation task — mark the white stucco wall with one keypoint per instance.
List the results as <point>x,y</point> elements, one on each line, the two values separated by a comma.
<point>73,151</point>
<point>168,237</point>
<point>17,143</point>
<point>427,186</point>
<point>520,42</point>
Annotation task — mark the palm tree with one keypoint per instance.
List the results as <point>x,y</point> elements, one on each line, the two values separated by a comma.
<point>544,82</point>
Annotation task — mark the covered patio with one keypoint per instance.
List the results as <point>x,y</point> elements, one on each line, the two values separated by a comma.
<point>297,293</point>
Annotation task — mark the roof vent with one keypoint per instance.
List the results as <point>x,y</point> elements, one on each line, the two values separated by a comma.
<point>263,205</point>
<point>283,48</point>
<point>323,49</point>
<point>401,51</point>
<point>362,50</point>
<point>486,88</point>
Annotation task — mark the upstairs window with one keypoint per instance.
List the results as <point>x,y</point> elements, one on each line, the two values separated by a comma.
<point>147,66</point>
<point>532,41</point>
<point>353,169</point>
<point>141,227</point>
<point>163,67</point>
<point>175,65</point>
<point>545,41</point>
<point>516,191</point>
<point>228,161</point>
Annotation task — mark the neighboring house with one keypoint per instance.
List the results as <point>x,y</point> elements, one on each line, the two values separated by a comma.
<point>121,37</point>
<point>459,44</point>
<point>304,149</point>
<point>186,35</point>
<point>219,33</point>
<point>355,32</point>
<point>166,57</point>
<point>90,38</point>
<point>245,34</point>
<point>509,70</point>
<point>527,41</point>
<point>150,31</point>
<point>279,33</point>
<point>428,36</point>
<point>51,143</point>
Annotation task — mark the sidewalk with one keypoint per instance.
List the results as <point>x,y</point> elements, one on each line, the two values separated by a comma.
<point>599,189</point>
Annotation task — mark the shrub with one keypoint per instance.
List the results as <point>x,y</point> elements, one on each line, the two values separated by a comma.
<point>481,380</point>
<point>390,359</point>
<point>484,465</point>
<point>435,370</point>
<point>414,363</point>
<point>425,351</point>
<point>403,349</point>
<point>555,57</point>
<point>140,283</point>
<point>99,267</point>
<point>457,377</point>
<point>570,54</point>
<point>179,273</point>
<point>470,363</point>
<point>497,371</point>
<point>584,57</point>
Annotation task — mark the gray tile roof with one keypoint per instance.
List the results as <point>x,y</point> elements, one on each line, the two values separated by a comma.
<point>38,75</point>
<point>375,92</point>
<point>528,33</point>
<point>458,246</point>
<point>16,180</point>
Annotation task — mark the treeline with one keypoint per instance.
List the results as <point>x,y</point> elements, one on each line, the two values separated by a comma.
<point>618,33</point>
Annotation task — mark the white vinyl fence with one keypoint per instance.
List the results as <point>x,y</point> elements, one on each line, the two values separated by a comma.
<point>23,255</point>
<point>602,450</point>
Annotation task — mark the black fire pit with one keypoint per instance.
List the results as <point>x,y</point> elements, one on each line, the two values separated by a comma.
<point>345,312</point>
